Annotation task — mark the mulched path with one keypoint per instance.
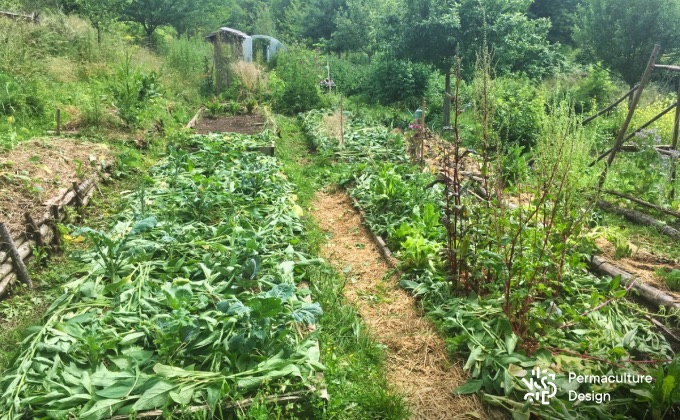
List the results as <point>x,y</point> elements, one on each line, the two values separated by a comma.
<point>417,363</point>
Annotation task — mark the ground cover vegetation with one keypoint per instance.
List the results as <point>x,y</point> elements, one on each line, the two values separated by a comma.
<point>493,225</point>
<point>186,329</point>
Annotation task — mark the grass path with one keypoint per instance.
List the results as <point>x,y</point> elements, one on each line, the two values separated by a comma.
<point>417,364</point>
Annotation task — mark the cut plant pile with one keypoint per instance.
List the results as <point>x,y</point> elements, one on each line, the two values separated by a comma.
<point>190,300</point>
<point>35,171</point>
<point>417,362</point>
<point>243,124</point>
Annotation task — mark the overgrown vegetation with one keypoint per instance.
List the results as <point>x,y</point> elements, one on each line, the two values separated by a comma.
<point>191,299</point>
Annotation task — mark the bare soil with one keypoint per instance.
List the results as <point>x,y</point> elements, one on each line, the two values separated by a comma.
<point>242,124</point>
<point>36,170</point>
<point>417,362</point>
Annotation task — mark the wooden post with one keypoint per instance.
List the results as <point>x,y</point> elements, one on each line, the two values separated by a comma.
<point>328,72</point>
<point>422,137</point>
<point>342,125</point>
<point>58,118</point>
<point>674,144</point>
<point>54,224</point>
<point>33,230</point>
<point>19,266</point>
<point>636,98</point>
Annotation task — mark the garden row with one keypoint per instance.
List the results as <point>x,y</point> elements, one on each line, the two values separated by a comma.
<point>190,301</point>
<point>507,284</point>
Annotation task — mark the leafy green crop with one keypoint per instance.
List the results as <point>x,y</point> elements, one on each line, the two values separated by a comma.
<point>190,299</point>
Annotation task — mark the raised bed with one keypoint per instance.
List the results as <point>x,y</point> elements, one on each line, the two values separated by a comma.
<point>241,124</point>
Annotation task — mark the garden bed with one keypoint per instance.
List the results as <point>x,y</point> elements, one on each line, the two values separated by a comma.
<point>42,169</point>
<point>187,303</point>
<point>511,318</point>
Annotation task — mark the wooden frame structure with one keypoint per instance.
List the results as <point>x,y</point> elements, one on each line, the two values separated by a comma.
<point>227,44</point>
<point>622,136</point>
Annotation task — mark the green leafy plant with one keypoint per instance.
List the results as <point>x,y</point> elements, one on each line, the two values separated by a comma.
<point>671,277</point>
<point>214,107</point>
<point>622,248</point>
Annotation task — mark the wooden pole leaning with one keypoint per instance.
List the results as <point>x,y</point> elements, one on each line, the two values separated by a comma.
<point>631,111</point>
<point>19,266</point>
<point>674,144</point>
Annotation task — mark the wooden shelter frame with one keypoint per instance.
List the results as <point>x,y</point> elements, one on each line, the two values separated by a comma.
<point>231,39</point>
<point>622,136</point>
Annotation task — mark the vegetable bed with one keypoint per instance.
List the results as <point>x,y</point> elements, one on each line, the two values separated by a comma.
<point>574,325</point>
<point>188,302</point>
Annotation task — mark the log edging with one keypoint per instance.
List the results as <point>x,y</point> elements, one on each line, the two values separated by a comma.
<point>41,231</point>
<point>648,293</point>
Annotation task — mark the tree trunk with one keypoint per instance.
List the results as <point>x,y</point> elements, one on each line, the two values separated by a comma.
<point>446,120</point>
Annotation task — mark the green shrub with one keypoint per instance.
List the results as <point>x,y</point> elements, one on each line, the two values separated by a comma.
<point>133,91</point>
<point>670,277</point>
<point>519,108</point>
<point>19,97</point>
<point>351,78</point>
<point>593,91</point>
<point>397,81</point>
<point>300,72</point>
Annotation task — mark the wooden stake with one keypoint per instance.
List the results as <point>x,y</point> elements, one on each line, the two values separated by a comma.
<point>636,98</point>
<point>422,137</point>
<point>33,230</point>
<point>58,118</point>
<point>342,125</point>
<point>8,243</point>
<point>54,222</point>
<point>674,144</point>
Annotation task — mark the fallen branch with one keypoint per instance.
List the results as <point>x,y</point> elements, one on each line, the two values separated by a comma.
<point>640,218</point>
<point>647,292</point>
<point>192,123</point>
<point>33,17</point>
<point>598,307</point>
<point>663,328</point>
<point>643,203</point>
<point>17,260</point>
<point>5,283</point>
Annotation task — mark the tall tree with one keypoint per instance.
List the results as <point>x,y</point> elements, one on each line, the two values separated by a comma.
<point>263,23</point>
<point>100,13</point>
<point>355,28</point>
<point>152,14</point>
<point>518,44</point>
<point>622,33</point>
<point>319,18</point>
<point>436,31</point>
<point>429,34</point>
<point>562,14</point>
